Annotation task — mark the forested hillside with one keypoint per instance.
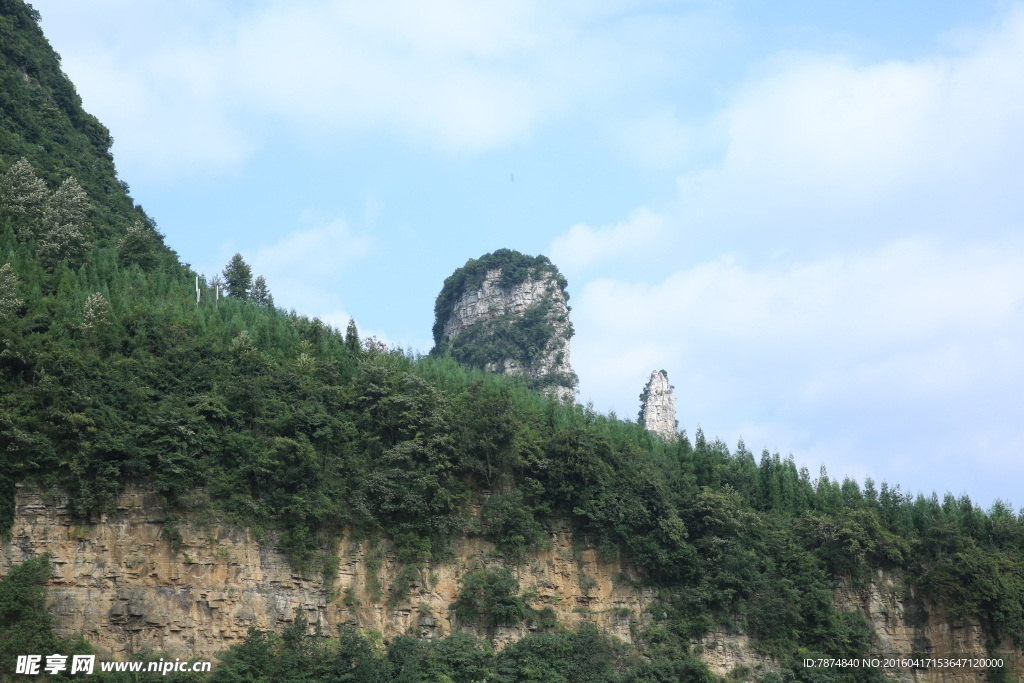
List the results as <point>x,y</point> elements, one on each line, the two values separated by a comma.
<point>111,372</point>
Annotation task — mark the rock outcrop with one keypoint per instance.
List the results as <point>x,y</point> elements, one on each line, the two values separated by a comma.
<point>133,580</point>
<point>906,627</point>
<point>508,313</point>
<point>658,406</point>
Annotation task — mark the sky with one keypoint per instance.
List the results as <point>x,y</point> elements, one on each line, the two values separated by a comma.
<point>809,214</point>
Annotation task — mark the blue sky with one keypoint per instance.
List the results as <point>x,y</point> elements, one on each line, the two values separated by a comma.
<point>810,214</point>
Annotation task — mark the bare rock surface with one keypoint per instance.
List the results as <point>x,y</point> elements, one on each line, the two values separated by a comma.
<point>492,301</point>
<point>658,406</point>
<point>127,583</point>
<point>908,628</point>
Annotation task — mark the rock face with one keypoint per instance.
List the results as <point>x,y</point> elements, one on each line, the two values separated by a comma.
<point>905,624</point>
<point>511,325</point>
<point>658,406</point>
<point>130,581</point>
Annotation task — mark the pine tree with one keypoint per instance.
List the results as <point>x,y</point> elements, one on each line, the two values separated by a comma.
<point>238,277</point>
<point>216,283</point>
<point>260,294</point>
<point>352,337</point>
<point>63,243</point>
<point>63,226</point>
<point>137,247</point>
<point>9,301</point>
<point>96,313</point>
<point>67,206</point>
<point>21,192</point>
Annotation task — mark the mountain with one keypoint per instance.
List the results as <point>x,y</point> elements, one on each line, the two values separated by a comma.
<point>188,461</point>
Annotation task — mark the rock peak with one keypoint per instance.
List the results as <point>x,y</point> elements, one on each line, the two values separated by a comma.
<point>658,406</point>
<point>508,313</point>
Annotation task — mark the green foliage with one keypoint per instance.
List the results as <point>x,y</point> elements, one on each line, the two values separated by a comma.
<point>260,294</point>
<point>7,503</point>
<point>586,656</point>
<point>511,524</point>
<point>297,655</point>
<point>546,618</point>
<point>352,337</point>
<point>139,247</point>
<point>62,230</point>
<point>21,192</point>
<point>582,656</point>
<point>9,301</point>
<point>26,627</point>
<point>490,597</point>
<point>238,277</point>
<point>41,119</point>
<point>403,582</point>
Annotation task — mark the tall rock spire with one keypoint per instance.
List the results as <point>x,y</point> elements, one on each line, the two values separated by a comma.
<point>658,406</point>
<point>507,313</point>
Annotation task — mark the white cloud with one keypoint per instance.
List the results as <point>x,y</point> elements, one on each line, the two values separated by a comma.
<point>320,251</point>
<point>304,268</point>
<point>659,138</point>
<point>826,151</point>
<point>194,86</point>
<point>924,318</point>
<point>584,246</point>
<point>823,155</point>
<point>869,312</point>
<point>824,353</point>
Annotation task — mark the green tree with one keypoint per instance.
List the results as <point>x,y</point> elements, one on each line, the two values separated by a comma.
<point>254,660</point>
<point>64,226</point>
<point>138,247</point>
<point>260,293</point>
<point>26,627</point>
<point>358,661</point>
<point>64,243</point>
<point>9,301</point>
<point>67,206</point>
<point>352,337</point>
<point>490,595</point>
<point>238,277</point>
<point>22,194</point>
<point>95,316</point>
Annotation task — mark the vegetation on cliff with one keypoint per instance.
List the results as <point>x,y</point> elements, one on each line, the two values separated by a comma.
<point>515,269</point>
<point>110,372</point>
<point>523,339</point>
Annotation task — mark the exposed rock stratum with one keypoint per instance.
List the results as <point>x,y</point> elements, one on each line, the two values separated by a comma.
<point>127,584</point>
<point>509,313</point>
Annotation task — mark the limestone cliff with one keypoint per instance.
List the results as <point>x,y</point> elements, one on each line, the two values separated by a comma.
<point>130,581</point>
<point>658,406</point>
<point>508,313</point>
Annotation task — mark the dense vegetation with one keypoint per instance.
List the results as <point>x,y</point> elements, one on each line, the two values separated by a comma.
<point>524,340</point>
<point>111,372</point>
<point>583,656</point>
